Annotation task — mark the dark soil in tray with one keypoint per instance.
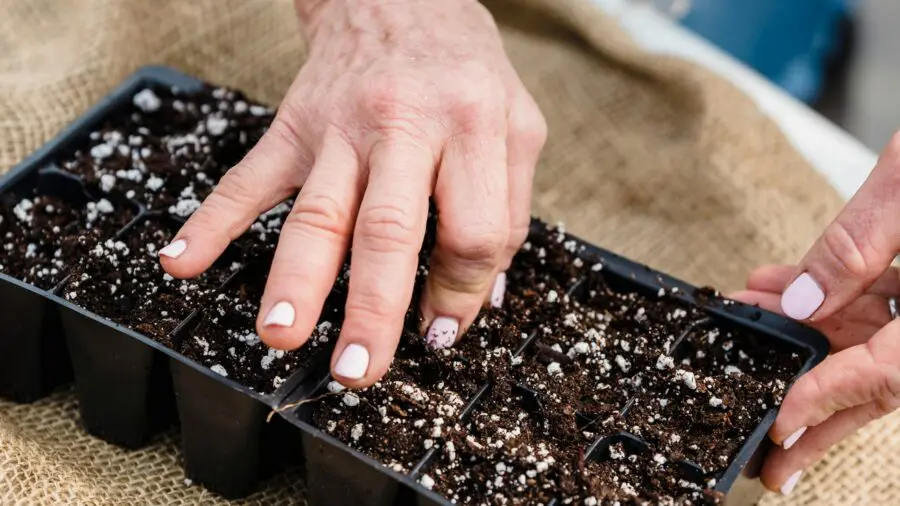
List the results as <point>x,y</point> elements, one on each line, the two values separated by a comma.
<point>500,455</point>
<point>622,476</point>
<point>403,415</point>
<point>225,338</point>
<point>597,351</point>
<point>121,279</point>
<point>40,234</point>
<point>169,148</point>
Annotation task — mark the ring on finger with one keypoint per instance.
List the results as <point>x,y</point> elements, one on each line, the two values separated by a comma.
<point>893,307</point>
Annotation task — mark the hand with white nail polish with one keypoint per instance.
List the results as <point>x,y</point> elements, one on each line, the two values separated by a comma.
<point>398,102</point>
<point>842,288</point>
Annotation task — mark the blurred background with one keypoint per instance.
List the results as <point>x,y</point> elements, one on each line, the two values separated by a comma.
<point>838,56</point>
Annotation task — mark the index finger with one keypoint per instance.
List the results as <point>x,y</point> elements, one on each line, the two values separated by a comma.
<point>863,373</point>
<point>386,243</point>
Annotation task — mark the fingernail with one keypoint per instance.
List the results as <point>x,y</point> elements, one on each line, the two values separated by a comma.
<point>281,315</point>
<point>499,290</point>
<point>442,333</point>
<point>353,362</point>
<point>175,249</point>
<point>791,483</point>
<point>801,299</point>
<point>793,438</point>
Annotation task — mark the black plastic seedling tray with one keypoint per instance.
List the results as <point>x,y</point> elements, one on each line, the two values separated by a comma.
<point>341,475</point>
<point>130,386</point>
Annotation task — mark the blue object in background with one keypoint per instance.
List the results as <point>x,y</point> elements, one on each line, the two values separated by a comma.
<point>788,41</point>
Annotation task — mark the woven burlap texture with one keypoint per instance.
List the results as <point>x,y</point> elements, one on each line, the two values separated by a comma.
<point>649,156</point>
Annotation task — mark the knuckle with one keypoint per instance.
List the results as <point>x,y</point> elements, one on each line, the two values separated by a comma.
<point>846,250</point>
<point>386,96</point>
<point>530,127</point>
<point>388,228</point>
<point>318,213</point>
<point>479,242</point>
<point>367,306</point>
<point>476,108</point>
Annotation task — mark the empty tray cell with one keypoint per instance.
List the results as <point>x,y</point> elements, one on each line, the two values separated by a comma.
<point>168,148</point>
<point>623,469</point>
<point>121,279</point>
<point>224,338</point>
<point>40,226</point>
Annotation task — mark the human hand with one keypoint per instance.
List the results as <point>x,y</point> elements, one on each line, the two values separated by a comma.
<point>398,101</point>
<point>842,288</point>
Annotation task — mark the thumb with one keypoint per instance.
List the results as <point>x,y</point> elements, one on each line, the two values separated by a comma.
<point>856,248</point>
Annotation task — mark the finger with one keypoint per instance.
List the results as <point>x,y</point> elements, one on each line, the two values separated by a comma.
<point>471,195</point>
<point>858,375</point>
<point>524,141</point>
<point>313,242</point>
<point>856,248</point>
<point>386,243</point>
<point>267,175</point>
<point>783,465</point>
<point>773,278</point>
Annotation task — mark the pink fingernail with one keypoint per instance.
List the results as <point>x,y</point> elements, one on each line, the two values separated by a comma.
<point>791,483</point>
<point>442,333</point>
<point>499,290</point>
<point>793,438</point>
<point>175,249</point>
<point>281,315</point>
<point>802,298</point>
<point>353,362</point>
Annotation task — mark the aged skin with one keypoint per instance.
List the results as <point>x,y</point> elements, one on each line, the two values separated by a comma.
<point>399,101</point>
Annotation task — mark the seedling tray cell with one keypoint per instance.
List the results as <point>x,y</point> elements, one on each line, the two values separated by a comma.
<point>134,377</point>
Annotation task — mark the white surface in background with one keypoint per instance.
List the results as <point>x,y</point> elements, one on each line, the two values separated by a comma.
<point>841,158</point>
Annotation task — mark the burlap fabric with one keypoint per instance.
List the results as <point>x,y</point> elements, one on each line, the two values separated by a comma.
<point>649,156</point>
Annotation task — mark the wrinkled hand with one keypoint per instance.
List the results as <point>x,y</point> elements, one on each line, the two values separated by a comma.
<point>398,101</point>
<point>841,288</point>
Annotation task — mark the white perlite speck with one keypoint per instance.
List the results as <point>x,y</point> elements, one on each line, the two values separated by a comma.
<point>622,363</point>
<point>731,370</point>
<point>335,387</point>
<point>350,399</point>
<point>356,432</point>
<point>665,362</point>
<point>218,369</point>
<point>554,369</point>
<point>154,183</point>
<point>552,296</point>
<point>590,501</point>
<point>426,481</point>
<point>107,182</point>
<point>147,101</point>
<point>216,125</point>
<point>715,401</point>
<point>687,377</point>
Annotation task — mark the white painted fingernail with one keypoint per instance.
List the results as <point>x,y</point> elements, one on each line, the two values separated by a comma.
<point>791,483</point>
<point>175,249</point>
<point>281,315</point>
<point>802,298</point>
<point>499,290</point>
<point>793,438</point>
<point>442,333</point>
<point>353,362</point>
